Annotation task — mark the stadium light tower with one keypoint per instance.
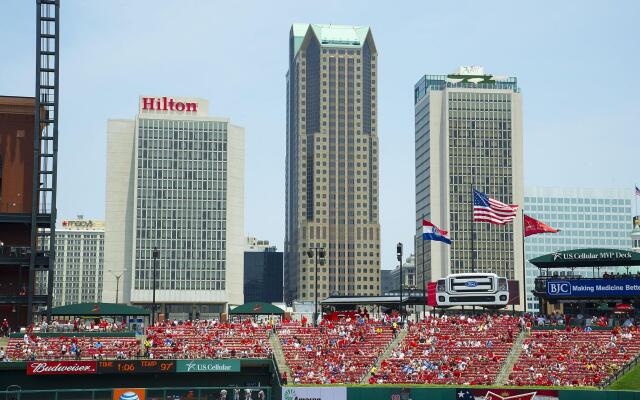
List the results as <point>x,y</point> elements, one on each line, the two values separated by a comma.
<point>399,255</point>
<point>319,253</point>
<point>156,254</point>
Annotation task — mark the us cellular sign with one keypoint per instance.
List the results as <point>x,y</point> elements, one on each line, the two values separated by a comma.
<point>595,288</point>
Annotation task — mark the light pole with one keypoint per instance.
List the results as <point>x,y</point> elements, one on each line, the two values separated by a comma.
<point>318,252</point>
<point>399,255</point>
<point>156,254</point>
<point>117,276</point>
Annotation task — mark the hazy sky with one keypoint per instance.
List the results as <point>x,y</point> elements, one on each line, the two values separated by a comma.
<point>575,62</point>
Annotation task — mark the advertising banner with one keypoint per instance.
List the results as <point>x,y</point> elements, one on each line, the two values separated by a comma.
<point>314,393</point>
<point>594,288</point>
<point>61,367</point>
<point>208,366</point>
<point>128,394</point>
<point>506,394</point>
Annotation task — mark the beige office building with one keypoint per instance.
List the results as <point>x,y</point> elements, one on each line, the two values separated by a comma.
<point>332,162</point>
<point>468,131</point>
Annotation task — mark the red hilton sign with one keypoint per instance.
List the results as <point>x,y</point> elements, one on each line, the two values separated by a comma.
<point>61,367</point>
<point>167,104</point>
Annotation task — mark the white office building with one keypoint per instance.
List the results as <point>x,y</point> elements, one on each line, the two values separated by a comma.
<point>175,182</point>
<point>468,133</point>
<point>587,218</point>
<point>79,264</point>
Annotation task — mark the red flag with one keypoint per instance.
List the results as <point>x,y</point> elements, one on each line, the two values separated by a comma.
<point>532,227</point>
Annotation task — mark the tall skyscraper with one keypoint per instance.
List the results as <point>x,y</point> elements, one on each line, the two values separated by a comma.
<point>586,217</point>
<point>468,131</point>
<point>175,182</point>
<point>332,162</point>
<point>79,262</point>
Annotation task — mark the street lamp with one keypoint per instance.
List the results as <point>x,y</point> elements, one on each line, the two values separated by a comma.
<point>156,254</point>
<point>399,256</point>
<point>117,276</point>
<point>319,253</point>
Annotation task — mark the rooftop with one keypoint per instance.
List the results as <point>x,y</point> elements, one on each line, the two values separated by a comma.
<point>331,35</point>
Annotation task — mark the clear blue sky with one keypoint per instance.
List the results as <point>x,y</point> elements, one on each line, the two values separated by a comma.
<point>575,61</point>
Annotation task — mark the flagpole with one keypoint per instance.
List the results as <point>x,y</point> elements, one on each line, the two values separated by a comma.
<point>473,255</point>
<point>424,278</point>
<point>524,264</point>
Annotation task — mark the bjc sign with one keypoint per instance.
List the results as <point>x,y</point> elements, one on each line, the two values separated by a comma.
<point>61,367</point>
<point>558,288</point>
<point>167,104</point>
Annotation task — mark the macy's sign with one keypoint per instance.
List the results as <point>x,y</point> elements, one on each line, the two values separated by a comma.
<point>167,104</point>
<point>61,367</point>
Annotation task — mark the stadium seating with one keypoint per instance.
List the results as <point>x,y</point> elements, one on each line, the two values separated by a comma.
<point>573,358</point>
<point>335,352</point>
<point>208,340</point>
<point>450,350</point>
<point>59,348</point>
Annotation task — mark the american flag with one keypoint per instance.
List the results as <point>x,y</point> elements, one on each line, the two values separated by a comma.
<point>505,394</point>
<point>486,209</point>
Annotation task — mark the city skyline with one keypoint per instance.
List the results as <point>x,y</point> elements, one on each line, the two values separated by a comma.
<point>564,121</point>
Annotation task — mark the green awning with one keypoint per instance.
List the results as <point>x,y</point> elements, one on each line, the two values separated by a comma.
<point>257,309</point>
<point>588,258</point>
<point>98,309</point>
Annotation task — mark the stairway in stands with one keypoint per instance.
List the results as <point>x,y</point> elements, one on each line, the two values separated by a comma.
<point>510,361</point>
<point>387,352</point>
<point>276,349</point>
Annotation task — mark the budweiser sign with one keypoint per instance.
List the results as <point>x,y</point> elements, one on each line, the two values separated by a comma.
<point>61,367</point>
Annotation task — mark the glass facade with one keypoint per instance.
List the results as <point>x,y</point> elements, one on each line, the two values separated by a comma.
<point>586,218</point>
<point>181,204</point>
<point>263,276</point>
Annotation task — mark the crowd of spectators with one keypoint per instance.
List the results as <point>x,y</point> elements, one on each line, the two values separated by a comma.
<point>335,351</point>
<point>208,339</point>
<point>32,347</point>
<point>455,349</point>
<point>574,356</point>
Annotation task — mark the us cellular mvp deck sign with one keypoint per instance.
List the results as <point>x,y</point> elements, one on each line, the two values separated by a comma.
<point>594,288</point>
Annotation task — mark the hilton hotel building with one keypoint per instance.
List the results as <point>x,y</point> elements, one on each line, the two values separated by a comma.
<point>468,132</point>
<point>175,182</point>
<point>332,162</point>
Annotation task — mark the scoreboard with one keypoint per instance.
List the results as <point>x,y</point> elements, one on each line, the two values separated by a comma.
<point>136,366</point>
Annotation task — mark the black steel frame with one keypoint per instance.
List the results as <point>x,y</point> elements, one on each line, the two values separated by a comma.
<point>45,151</point>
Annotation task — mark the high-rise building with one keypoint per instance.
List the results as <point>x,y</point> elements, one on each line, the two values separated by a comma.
<point>262,272</point>
<point>468,132</point>
<point>587,218</point>
<point>20,294</point>
<point>332,162</point>
<point>175,182</point>
<point>79,262</point>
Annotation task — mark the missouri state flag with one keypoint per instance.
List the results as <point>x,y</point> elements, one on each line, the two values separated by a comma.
<point>432,232</point>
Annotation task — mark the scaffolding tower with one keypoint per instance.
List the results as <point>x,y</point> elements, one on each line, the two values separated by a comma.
<point>43,211</point>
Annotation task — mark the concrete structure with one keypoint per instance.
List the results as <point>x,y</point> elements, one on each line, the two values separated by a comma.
<point>253,244</point>
<point>175,182</point>
<point>468,131</point>
<point>598,218</point>
<point>332,162</point>
<point>408,275</point>
<point>17,126</point>
<point>79,262</point>
<point>635,234</point>
<point>262,272</point>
